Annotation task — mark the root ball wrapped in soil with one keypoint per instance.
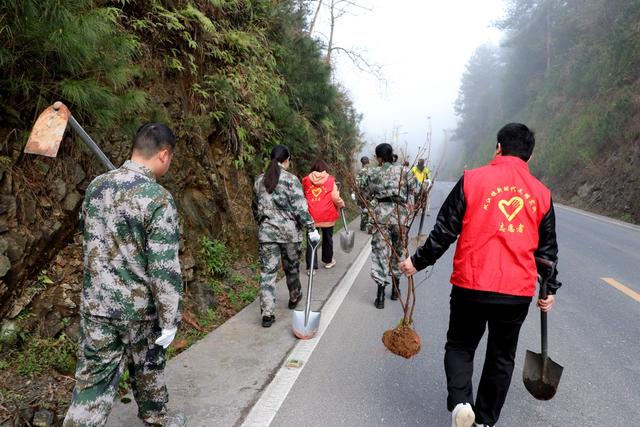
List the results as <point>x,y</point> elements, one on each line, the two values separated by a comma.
<point>402,340</point>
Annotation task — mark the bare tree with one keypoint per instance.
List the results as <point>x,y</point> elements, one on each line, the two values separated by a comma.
<point>338,9</point>
<point>315,17</point>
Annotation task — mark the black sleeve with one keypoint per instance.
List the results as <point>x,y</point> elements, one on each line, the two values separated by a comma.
<point>445,232</point>
<point>548,248</point>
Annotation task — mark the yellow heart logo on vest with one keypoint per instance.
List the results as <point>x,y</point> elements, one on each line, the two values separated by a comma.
<point>515,205</point>
<point>316,191</point>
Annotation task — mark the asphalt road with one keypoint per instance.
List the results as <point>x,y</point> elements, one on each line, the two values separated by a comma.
<point>352,380</point>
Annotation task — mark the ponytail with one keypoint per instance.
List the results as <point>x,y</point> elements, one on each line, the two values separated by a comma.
<point>279,154</point>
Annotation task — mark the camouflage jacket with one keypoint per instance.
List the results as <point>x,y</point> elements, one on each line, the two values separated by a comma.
<point>361,182</point>
<point>283,214</point>
<point>131,240</point>
<point>389,189</point>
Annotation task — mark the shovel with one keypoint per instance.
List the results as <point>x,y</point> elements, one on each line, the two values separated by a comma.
<point>306,323</point>
<point>347,238</point>
<point>48,131</point>
<point>421,238</point>
<point>540,374</point>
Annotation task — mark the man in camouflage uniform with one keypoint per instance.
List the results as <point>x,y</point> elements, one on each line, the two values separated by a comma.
<point>281,216</point>
<point>132,285</point>
<point>361,180</point>
<point>389,188</point>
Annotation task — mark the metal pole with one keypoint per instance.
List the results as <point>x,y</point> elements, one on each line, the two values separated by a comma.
<point>89,142</point>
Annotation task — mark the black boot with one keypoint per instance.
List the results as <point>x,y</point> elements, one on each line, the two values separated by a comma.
<point>379,302</point>
<point>395,288</point>
<point>267,321</point>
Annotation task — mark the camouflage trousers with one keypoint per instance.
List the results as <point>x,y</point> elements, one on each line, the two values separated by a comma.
<point>271,254</point>
<point>107,346</point>
<point>383,261</point>
<point>364,219</point>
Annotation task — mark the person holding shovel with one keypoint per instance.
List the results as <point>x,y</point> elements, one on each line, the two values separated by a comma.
<point>129,310</point>
<point>280,209</point>
<point>389,189</point>
<point>323,199</point>
<point>504,218</point>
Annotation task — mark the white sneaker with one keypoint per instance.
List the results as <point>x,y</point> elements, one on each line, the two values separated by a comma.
<point>462,416</point>
<point>331,264</point>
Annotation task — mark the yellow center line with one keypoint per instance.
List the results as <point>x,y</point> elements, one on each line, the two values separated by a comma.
<point>622,288</point>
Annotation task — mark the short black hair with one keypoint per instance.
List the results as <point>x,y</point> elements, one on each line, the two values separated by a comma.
<point>364,160</point>
<point>153,137</point>
<point>517,140</point>
<point>384,152</point>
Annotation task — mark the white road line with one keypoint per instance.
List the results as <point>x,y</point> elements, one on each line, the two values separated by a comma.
<point>266,408</point>
<point>599,217</point>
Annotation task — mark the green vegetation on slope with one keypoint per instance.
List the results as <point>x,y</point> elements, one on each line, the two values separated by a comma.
<point>247,72</point>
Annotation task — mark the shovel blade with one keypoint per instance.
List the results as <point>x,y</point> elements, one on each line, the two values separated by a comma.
<point>302,330</point>
<point>541,378</point>
<point>48,130</point>
<point>347,240</point>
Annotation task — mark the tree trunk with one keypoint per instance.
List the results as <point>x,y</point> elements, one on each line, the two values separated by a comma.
<point>333,24</point>
<point>315,17</point>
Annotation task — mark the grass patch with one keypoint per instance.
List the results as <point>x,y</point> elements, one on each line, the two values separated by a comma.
<point>123,384</point>
<point>216,257</point>
<point>42,354</point>
<point>248,295</point>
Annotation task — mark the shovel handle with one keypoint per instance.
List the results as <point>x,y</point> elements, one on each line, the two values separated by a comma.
<point>421,221</point>
<point>344,220</point>
<point>542,295</point>
<point>307,308</point>
<point>86,138</point>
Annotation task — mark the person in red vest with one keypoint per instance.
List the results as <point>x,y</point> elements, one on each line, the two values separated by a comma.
<point>323,198</point>
<point>504,218</point>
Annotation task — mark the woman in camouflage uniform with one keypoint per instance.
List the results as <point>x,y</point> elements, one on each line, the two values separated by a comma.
<point>388,191</point>
<point>280,209</point>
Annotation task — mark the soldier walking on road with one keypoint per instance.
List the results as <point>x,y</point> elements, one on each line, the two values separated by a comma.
<point>132,285</point>
<point>280,209</point>
<point>361,180</point>
<point>504,217</point>
<point>389,189</point>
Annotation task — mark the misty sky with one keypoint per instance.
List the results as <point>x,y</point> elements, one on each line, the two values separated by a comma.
<point>423,46</point>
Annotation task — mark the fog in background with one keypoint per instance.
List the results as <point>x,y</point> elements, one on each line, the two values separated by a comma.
<point>423,47</point>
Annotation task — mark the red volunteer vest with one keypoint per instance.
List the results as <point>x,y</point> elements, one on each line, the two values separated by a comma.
<point>321,205</point>
<point>504,207</point>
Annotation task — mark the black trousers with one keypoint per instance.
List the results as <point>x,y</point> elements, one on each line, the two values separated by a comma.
<point>467,323</point>
<point>327,247</point>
